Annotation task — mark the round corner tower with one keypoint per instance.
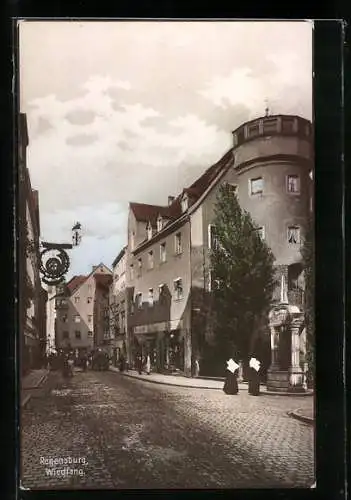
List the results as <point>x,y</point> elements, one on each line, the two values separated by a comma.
<point>273,164</point>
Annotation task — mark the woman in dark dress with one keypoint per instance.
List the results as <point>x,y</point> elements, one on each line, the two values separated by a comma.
<point>254,377</point>
<point>231,380</point>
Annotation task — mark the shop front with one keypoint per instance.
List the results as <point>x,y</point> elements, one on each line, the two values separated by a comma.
<point>164,345</point>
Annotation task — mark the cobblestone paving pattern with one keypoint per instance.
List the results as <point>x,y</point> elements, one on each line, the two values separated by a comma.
<point>134,434</point>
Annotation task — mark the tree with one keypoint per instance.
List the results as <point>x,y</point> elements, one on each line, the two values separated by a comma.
<point>307,252</point>
<point>242,269</point>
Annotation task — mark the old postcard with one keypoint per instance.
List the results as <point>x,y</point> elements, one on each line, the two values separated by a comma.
<point>166,254</point>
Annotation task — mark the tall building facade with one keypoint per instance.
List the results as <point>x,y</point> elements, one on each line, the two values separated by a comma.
<point>167,256</point>
<point>101,316</point>
<point>78,311</point>
<point>50,320</point>
<point>118,307</point>
<point>31,298</point>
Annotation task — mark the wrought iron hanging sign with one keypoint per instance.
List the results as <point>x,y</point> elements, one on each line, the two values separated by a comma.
<point>54,260</point>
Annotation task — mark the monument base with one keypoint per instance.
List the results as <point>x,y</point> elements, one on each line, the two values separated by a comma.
<point>284,381</point>
<point>277,380</point>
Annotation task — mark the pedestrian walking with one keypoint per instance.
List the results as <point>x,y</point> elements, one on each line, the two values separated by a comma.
<point>121,363</point>
<point>254,377</point>
<point>148,364</point>
<point>196,368</point>
<point>139,364</point>
<point>231,380</point>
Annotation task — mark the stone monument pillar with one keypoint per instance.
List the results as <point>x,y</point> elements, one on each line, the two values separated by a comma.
<point>274,347</point>
<point>295,370</point>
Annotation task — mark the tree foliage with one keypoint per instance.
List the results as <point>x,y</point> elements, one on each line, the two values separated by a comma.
<point>308,255</point>
<point>242,269</point>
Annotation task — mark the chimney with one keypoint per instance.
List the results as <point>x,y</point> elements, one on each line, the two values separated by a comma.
<point>170,200</point>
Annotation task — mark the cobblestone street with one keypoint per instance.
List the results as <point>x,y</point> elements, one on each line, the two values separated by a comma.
<point>127,433</point>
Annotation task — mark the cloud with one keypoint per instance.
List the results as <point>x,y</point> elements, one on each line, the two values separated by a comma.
<point>103,228</point>
<point>81,140</point>
<point>134,115</point>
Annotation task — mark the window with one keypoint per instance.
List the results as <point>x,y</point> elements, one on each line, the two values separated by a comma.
<point>163,252</point>
<point>123,321</point>
<point>151,297</point>
<point>185,203</point>
<point>178,243</point>
<point>132,308</point>
<point>90,318</point>
<point>270,125</point>
<point>149,231</point>
<point>89,300</point>
<point>294,235</point>
<point>131,272</point>
<point>65,334</point>
<point>178,289</point>
<point>151,259</point>
<point>64,318</point>
<point>212,237</point>
<point>140,265</point>
<point>256,186</point>
<point>139,300</point>
<point>77,334</point>
<point>288,125</point>
<point>232,187</point>
<point>77,318</point>
<point>293,184</point>
<point>159,223</point>
<point>90,333</point>
<point>253,130</point>
<point>307,130</point>
<point>261,232</point>
<point>76,300</point>
<point>132,240</point>
<point>213,284</point>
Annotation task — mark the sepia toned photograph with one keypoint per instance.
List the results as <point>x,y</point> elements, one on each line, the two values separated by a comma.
<point>165,256</point>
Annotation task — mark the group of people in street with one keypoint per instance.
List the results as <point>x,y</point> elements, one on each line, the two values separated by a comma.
<point>231,385</point>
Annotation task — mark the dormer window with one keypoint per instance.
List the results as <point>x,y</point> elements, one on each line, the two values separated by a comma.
<point>159,223</point>
<point>185,203</point>
<point>149,231</point>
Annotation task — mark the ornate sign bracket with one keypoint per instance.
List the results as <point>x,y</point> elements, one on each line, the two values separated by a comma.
<point>54,260</point>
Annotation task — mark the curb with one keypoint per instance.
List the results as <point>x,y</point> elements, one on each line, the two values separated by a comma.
<point>303,418</point>
<point>262,393</point>
<point>40,382</point>
<point>25,400</point>
<point>289,394</point>
<point>167,383</point>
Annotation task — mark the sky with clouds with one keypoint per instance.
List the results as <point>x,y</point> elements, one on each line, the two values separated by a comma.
<point>135,111</point>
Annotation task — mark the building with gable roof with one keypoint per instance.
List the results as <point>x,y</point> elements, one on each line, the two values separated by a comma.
<point>81,305</point>
<point>118,307</point>
<point>167,256</point>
